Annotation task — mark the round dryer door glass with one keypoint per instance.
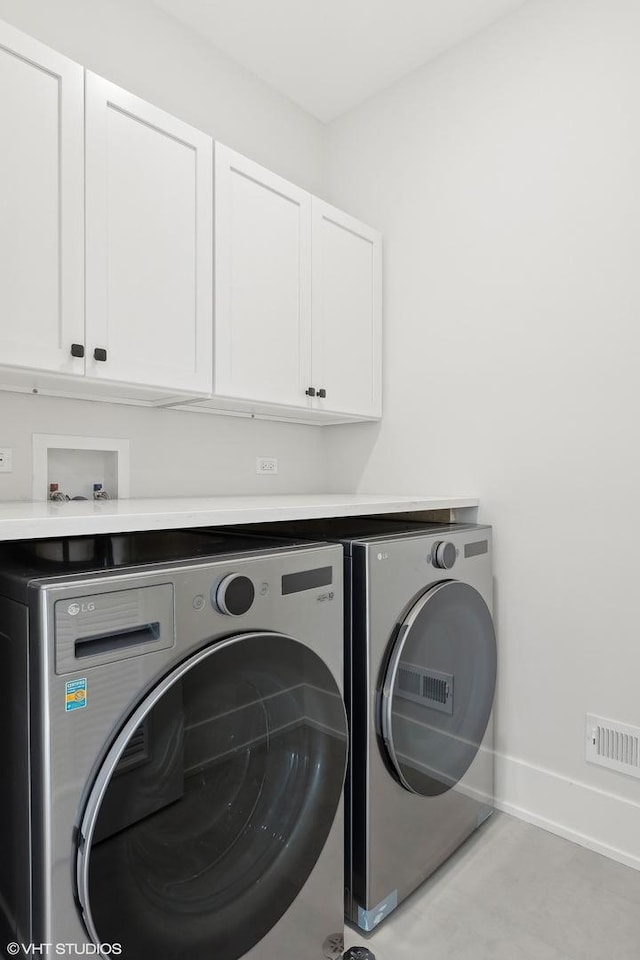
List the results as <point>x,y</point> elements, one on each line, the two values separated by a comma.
<point>214,802</point>
<point>438,689</point>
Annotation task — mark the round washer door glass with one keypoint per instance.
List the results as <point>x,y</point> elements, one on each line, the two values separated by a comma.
<point>214,802</point>
<point>438,689</point>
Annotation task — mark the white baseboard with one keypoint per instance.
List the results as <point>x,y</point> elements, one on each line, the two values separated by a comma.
<point>601,821</point>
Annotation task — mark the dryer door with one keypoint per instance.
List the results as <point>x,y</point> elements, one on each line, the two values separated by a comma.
<point>214,802</point>
<point>438,688</point>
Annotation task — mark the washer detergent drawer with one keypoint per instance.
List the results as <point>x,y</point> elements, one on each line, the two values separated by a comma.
<point>93,629</point>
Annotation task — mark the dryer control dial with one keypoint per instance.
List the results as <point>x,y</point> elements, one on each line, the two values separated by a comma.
<point>444,555</point>
<point>234,595</point>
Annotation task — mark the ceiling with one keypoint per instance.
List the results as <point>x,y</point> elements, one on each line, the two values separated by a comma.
<point>330,55</point>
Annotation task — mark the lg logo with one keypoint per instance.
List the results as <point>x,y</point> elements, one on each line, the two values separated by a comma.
<point>75,608</point>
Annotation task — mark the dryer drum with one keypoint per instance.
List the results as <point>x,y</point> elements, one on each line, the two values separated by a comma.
<point>254,748</point>
<point>439,687</point>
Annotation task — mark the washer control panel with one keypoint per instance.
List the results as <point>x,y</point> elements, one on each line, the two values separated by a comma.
<point>233,595</point>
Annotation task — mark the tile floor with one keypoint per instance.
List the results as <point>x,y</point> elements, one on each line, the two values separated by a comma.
<point>515,892</point>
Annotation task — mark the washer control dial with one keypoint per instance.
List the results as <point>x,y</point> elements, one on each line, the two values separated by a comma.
<point>444,555</point>
<point>234,595</point>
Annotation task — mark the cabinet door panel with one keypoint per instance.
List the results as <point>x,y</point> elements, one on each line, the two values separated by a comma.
<point>263,272</point>
<point>149,243</point>
<point>41,205</point>
<point>346,312</point>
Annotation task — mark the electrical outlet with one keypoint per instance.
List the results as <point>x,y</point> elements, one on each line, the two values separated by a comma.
<point>266,465</point>
<point>6,460</point>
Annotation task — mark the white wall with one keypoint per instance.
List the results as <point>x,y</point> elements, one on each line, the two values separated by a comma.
<point>505,177</point>
<point>137,45</point>
<point>134,44</point>
<point>173,453</point>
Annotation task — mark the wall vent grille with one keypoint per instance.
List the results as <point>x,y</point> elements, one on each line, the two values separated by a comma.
<point>409,681</point>
<point>136,751</point>
<point>434,688</point>
<point>429,688</point>
<point>613,745</point>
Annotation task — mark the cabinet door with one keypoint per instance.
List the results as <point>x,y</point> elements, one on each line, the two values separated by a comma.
<point>263,283</point>
<point>149,241</point>
<point>41,205</point>
<point>346,354</point>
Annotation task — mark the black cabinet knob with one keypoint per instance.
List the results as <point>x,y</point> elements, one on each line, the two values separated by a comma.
<point>77,350</point>
<point>310,391</point>
<point>322,393</point>
<point>99,354</point>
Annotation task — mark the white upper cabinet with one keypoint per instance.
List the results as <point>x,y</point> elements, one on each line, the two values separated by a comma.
<point>149,234</point>
<point>41,206</point>
<point>297,302</point>
<point>347,312</point>
<point>109,238</point>
<point>263,283</point>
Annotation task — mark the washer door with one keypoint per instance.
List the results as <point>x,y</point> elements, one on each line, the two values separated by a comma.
<point>438,689</point>
<point>214,802</point>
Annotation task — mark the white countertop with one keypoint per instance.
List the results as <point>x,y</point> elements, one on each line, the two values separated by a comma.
<point>27,520</point>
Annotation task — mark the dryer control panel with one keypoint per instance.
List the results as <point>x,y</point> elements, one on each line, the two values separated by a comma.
<point>444,555</point>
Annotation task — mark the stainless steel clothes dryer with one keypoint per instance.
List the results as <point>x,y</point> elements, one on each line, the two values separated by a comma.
<point>174,744</point>
<point>420,673</point>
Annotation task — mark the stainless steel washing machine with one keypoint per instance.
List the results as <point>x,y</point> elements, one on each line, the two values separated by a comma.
<point>420,674</point>
<point>173,747</point>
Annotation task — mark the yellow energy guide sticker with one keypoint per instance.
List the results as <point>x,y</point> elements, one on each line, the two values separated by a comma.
<point>75,697</point>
